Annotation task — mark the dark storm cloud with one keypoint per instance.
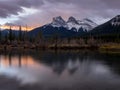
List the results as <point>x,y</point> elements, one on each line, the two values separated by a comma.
<point>7,8</point>
<point>12,7</point>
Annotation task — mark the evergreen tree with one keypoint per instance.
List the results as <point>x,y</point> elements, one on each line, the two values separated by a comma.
<point>25,34</point>
<point>6,37</point>
<point>0,35</point>
<point>10,34</point>
<point>39,37</point>
<point>20,33</point>
<point>13,36</point>
<point>55,37</point>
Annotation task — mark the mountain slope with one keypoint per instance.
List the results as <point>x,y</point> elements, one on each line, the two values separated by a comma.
<point>50,31</point>
<point>5,32</point>
<point>62,28</point>
<point>85,24</point>
<point>58,22</point>
<point>110,27</point>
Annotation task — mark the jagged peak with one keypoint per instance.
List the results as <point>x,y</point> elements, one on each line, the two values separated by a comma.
<point>88,20</point>
<point>118,16</point>
<point>116,21</point>
<point>58,22</point>
<point>86,23</point>
<point>72,19</point>
<point>58,18</point>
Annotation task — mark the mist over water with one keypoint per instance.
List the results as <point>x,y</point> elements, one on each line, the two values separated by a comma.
<point>62,70</point>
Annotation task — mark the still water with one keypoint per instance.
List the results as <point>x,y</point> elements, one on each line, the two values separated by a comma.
<point>62,70</point>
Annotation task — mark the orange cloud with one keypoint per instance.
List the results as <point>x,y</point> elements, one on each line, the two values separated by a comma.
<point>24,28</point>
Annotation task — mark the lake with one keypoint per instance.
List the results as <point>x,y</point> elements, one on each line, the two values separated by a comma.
<point>59,70</point>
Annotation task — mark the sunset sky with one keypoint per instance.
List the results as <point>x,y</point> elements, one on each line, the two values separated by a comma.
<point>39,12</point>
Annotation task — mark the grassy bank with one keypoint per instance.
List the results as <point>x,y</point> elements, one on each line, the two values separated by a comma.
<point>110,48</point>
<point>113,47</point>
<point>52,46</point>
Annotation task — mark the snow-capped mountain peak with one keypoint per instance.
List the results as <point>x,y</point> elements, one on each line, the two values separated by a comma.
<point>89,23</point>
<point>58,22</point>
<point>88,20</point>
<point>116,21</point>
<point>85,24</point>
<point>72,20</point>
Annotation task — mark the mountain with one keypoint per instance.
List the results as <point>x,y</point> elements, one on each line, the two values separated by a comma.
<point>50,31</point>
<point>85,24</point>
<point>110,27</point>
<point>58,22</point>
<point>62,28</point>
<point>5,32</point>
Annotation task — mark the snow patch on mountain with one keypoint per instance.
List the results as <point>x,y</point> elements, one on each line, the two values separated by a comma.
<point>85,24</point>
<point>73,23</point>
<point>116,21</point>
<point>58,22</point>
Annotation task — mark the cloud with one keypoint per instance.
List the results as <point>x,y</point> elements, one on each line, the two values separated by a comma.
<point>113,4</point>
<point>94,9</point>
<point>30,3</point>
<point>8,8</point>
<point>13,7</point>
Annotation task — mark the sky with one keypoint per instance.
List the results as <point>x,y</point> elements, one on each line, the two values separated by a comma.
<point>39,12</point>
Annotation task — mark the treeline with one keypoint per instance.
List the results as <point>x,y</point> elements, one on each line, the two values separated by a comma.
<point>12,35</point>
<point>23,39</point>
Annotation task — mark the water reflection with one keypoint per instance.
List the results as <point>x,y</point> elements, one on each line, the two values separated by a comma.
<point>73,70</point>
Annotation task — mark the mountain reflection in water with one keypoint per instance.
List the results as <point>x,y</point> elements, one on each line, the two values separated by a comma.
<point>63,70</point>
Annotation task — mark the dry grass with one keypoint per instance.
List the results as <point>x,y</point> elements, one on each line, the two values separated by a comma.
<point>110,46</point>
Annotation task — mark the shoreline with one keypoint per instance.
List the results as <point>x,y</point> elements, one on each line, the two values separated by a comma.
<point>49,47</point>
<point>103,48</point>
